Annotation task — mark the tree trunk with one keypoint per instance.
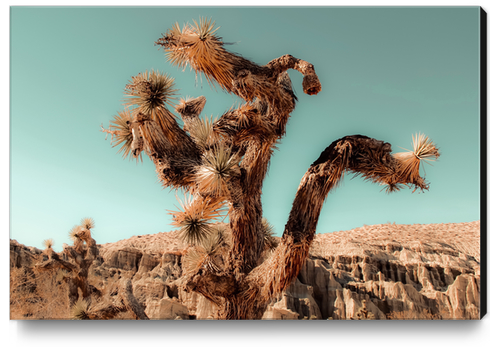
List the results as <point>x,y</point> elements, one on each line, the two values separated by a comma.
<point>359,154</point>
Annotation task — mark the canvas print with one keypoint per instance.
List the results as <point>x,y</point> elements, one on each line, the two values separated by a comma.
<point>308,163</point>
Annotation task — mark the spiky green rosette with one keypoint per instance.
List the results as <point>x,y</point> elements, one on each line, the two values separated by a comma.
<point>218,166</point>
<point>149,91</point>
<point>196,217</point>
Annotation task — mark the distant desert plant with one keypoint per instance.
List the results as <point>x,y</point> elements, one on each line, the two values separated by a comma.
<point>36,295</point>
<point>44,295</point>
<point>85,300</point>
<point>81,256</point>
<point>221,164</point>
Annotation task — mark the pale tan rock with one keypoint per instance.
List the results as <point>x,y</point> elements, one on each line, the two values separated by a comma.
<point>464,298</point>
<point>205,309</point>
<point>338,311</point>
<point>22,256</point>
<point>280,311</point>
<point>127,258</point>
<point>166,309</point>
<point>411,270</point>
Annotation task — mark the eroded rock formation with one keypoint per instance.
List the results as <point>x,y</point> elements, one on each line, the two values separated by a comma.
<point>402,271</point>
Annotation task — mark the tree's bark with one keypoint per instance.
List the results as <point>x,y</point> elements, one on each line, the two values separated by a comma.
<point>359,154</point>
<point>247,245</point>
<point>253,130</point>
<point>258,133</point>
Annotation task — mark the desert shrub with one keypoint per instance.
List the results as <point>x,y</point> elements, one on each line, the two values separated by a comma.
<point>35,295</point>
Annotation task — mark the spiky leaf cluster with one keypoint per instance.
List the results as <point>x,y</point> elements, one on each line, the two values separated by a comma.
<point>219,164</point>
<point>198,46</point>
<point>209,253</point>
<point>82,233</point>
<point>268,234</point>
<point>423,149</point>
<point>87,223</point>
<point>202,132</point>
<point>149,91</point>
<point>75,233</point>
<point>191,106</point>
<point>48,243</point>
<point>140,127</point>
<point>122,133</point>
<point>79,311</point>
<point>196,217</point>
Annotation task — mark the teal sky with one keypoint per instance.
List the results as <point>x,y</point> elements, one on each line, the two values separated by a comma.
<point>386,73</point>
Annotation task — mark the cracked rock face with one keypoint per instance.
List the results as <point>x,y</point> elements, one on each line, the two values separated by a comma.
<point>401,271</point>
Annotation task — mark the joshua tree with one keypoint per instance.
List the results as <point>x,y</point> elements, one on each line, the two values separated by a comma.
<point>221,164</point>
<point>82,253</point>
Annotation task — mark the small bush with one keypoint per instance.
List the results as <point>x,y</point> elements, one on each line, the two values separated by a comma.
<point>35,295</point>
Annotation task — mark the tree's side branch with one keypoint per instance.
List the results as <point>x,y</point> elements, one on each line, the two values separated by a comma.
<point>359,154</point>
<point>190,110</point>
<point>253,129</point>
<point>311,82</point>
<point>176,157</point>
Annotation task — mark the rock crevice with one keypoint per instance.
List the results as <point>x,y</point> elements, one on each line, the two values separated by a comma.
<point>401,271</point>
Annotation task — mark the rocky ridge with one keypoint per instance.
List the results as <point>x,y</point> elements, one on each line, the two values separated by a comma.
<point>401,271</point>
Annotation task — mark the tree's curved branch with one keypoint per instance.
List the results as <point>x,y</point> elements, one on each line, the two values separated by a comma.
<point>311,82</point>
<point>362,155</point>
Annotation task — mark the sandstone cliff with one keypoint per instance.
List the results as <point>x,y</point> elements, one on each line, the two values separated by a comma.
<point>401,271</point>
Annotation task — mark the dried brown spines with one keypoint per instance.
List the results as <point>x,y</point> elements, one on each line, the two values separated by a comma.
<point>81,256</point>
<point>196,217</point>
<point>48,243</point>
<point>197,46</point>
<point>120,128</point>
<point>149,91</point>
<point>408,163</point>
<point>190,109</point>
